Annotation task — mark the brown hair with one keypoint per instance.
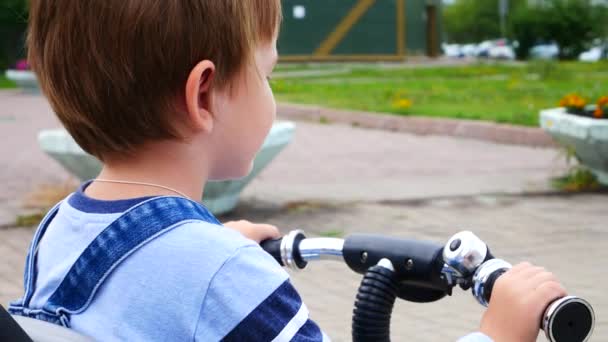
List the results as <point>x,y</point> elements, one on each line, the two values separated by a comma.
<point>112,69</point>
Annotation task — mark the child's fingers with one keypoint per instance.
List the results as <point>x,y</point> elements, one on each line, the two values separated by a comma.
<point>527,277</point>
<point>547,292</point>
<point>269,231</point>
<point>520,267</point>
<point>261,232</point>
<point>253,231</point>
<point>541,278</point>
<point>529,273</point>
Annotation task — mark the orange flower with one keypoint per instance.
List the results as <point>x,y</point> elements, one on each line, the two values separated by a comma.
<point>598,113</point>
<point>572,101</point>
<point>602,104</point>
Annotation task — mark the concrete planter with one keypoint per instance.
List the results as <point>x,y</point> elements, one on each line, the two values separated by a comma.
<point>588,137</point>
<point>25,80</point>
<point>220,197</point>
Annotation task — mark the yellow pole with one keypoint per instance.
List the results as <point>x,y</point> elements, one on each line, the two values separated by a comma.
<point>334,38</point>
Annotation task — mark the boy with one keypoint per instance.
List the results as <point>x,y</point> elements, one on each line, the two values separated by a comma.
<point>170,94</point>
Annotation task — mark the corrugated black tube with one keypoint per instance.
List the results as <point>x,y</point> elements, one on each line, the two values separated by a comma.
<point>374,306</point>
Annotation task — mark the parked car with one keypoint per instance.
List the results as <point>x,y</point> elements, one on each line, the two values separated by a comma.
<point>497,49</point>
<point>483,49</point>
<point>452,50</point>
<point>469,50</point>
<point>544,51</point>
<point>594,54</point>
<point>501,52</point>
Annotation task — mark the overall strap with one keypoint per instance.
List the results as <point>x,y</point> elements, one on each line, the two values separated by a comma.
<point>136,227</point>
<point>29,274</point>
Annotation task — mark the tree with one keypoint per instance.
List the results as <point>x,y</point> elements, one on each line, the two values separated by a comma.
<point>572,24</point>
<point>13,23</point>
<point>528,26</point>
<point>469,21</point>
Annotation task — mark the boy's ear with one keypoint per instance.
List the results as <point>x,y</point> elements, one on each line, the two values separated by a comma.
<point>198,96</point>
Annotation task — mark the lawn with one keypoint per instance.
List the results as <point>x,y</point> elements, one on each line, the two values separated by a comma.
<point>5,83</point>
<point>505,93</point>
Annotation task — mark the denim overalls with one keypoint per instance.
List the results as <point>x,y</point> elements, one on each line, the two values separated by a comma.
<point>139,225</point>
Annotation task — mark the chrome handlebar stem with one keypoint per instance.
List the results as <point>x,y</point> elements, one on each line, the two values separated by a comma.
<point>322,249</point>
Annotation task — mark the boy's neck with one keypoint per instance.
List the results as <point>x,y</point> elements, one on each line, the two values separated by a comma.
<point>173,168</point>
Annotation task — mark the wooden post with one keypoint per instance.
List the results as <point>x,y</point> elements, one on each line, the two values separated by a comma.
<point>431,31</point>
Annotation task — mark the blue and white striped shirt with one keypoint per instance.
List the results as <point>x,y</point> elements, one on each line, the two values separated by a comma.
<point>198,282</point>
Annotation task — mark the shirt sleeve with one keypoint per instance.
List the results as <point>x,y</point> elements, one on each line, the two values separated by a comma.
<point>250,298</point>
<point>475,337</point>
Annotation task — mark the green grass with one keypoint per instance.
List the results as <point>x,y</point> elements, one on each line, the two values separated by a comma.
<point>577,179</point>
<point>283,67</point>
<point>504,93</point>
<point>5,83</point>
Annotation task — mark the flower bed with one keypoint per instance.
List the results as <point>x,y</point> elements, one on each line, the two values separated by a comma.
<point>583,129</point>
<point>578,105</point>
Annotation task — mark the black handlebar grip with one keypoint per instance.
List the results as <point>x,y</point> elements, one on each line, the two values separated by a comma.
<point>568,319</point>
<point>273,247</point>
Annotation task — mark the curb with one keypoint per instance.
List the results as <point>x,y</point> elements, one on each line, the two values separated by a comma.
<point>469,129</point>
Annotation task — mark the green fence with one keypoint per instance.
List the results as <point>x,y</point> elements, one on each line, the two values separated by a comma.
<point>358,29</point>
<point>312,29</point>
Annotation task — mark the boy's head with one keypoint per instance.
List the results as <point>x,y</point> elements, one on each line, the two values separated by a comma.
<point>124,73</point>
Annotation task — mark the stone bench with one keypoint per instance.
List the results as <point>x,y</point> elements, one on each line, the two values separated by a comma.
<point>24,79</point>
<point>220,197</point>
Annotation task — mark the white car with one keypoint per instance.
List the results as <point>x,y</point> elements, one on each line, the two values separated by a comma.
<point>496,49</point>
<point>452,50</point>
<point>469,50</point>
<point>501,52</point>
<point>594,54</point>
<point>544,51</point>
<point>483,49</point>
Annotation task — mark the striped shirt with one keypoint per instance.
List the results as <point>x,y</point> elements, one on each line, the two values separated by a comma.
<point>198,282</point>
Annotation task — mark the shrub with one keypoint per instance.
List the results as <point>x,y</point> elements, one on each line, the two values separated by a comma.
<point>574,25</point>
<point>528,26</point>
<point>571,24</point>
<point>469,21</point>
<point>13,23</point>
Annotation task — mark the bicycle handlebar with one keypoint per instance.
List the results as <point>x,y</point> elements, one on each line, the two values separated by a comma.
<point>424,271</point>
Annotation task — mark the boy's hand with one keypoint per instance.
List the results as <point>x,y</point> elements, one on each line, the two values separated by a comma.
<point>254,231</point>
<point>519,299</point>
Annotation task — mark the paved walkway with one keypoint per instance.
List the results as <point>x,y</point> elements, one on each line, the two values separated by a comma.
<point>339,179</point>
<point>23,166</point>
<point>569,236</point>
<point>343,163</point>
